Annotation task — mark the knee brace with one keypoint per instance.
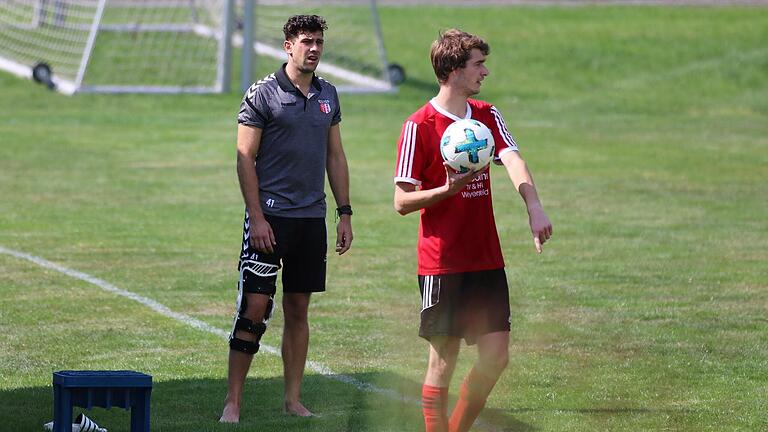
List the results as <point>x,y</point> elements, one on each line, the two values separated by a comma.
<point>246,325</point>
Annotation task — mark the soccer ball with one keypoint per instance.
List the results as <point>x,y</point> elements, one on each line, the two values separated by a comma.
<point>467,145</point>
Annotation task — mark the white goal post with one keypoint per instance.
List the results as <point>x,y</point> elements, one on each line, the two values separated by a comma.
<point>166,46</point>
<point>180,46</point>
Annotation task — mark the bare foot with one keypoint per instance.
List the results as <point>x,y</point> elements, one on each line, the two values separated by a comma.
<point>296,409</point>
<point>231,413</point>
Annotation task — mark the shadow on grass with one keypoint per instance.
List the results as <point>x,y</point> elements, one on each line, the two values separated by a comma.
<point>195,405</point>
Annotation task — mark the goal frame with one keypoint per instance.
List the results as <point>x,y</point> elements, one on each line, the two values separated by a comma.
<point>78,84</point>
<point>224,34</point>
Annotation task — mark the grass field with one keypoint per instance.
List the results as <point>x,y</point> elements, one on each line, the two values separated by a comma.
<point>646,129</point>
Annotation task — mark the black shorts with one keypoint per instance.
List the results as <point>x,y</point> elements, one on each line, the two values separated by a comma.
<point>464,305</point>
<point>301,252</point>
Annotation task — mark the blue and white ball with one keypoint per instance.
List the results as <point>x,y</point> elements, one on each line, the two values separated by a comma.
<point>467,145</point>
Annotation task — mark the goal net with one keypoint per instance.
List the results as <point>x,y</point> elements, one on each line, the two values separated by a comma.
<point>354,57</point>
<point>117,45</point>
<point>180,46</point>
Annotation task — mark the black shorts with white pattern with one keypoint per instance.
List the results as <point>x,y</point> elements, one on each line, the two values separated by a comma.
<point>301,252</point>
<point>464,305</point>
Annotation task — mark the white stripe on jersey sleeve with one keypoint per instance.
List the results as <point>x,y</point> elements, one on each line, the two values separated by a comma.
<point>502,126</point>
<point>404,149</point>
<point>407,150</point>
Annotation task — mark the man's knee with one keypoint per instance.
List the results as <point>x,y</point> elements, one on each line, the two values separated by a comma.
<point>295,308</point>
<point>444,352</point>
<point>250,323</point>
<point>256,307</point>
<point>441,367</point>
<point>493,353</point>
<point>494,363</point>
<point>246,335</point>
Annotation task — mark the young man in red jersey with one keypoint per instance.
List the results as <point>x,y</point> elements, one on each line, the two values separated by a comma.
<point>460,266</point>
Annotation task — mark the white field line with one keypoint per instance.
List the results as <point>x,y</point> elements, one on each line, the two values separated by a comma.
<point>197,324</point>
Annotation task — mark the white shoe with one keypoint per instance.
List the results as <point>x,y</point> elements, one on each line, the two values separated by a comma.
<point>82,424</point>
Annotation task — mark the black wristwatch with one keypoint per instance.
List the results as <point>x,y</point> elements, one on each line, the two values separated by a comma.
<point>344,210</point>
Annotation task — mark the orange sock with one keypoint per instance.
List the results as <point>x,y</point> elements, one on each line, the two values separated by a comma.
<point>434,401</point>
<point>472,396</point>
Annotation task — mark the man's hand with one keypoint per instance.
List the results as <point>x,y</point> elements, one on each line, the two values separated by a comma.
<point>343,234</point>
<point>262,238</point>
<point>454,181</point>
<point>541,227</point>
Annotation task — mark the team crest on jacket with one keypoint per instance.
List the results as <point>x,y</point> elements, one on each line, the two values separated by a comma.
<point>325,105</point>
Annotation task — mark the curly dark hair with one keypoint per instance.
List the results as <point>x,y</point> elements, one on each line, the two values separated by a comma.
<point>303,24</point>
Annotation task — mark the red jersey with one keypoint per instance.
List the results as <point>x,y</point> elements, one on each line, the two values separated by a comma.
<point>457,234</point>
